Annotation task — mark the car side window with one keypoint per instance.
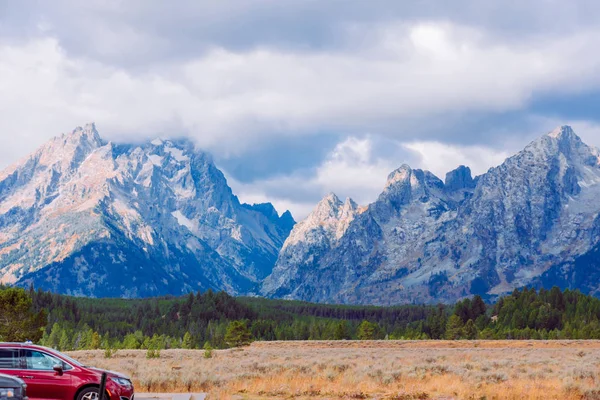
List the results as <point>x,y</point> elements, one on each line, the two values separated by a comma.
<point>9,359</point>
<point>40,361</point>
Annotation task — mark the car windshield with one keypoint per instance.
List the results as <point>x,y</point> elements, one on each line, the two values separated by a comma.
<point>69,359</point>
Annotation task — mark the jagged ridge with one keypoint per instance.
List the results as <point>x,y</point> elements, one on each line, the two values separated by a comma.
<point>86,217</point>
<point>424,240</point>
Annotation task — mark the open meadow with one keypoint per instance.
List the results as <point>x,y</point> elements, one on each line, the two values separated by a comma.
<point>399,370</point>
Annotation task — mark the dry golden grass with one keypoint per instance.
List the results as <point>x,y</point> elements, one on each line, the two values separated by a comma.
<point>387,370</point>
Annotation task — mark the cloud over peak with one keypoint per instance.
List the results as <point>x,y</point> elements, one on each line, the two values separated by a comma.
<point>374,84</point>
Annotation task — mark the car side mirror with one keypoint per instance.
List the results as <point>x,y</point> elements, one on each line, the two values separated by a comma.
<point>58,369</point>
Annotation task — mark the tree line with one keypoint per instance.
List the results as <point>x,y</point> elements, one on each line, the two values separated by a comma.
<point>217,320</point>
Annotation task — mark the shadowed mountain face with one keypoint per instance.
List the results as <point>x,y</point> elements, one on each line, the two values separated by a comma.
<point>534,220</point>
<point>85,217</point>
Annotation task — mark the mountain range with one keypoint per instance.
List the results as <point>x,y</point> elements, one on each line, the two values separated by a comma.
<point>532,221</point>
<point>85,217</point>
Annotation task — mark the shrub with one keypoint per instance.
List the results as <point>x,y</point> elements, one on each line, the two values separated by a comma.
<point>153,353</point>
<point>108,352</point>
<point>207,350</point>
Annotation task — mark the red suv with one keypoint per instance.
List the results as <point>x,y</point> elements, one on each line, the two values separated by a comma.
<point>51,375</point>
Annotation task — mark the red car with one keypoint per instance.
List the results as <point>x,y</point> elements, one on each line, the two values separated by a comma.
<point>51,375</point>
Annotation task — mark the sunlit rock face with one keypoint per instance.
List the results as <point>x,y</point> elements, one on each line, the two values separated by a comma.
<point>534,220</point>
<point>86,217</point>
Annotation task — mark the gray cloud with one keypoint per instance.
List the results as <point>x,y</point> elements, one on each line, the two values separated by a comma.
<point>274,88</point>
<point>137,32</point>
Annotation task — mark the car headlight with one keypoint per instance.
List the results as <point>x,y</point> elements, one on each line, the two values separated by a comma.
<point>7,393</point>
<point>121,381</point>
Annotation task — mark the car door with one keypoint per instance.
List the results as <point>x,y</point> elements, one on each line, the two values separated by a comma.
<point>43,382</point>
<point>10,361</point>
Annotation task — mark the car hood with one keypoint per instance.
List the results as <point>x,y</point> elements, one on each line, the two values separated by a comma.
<point>109,373</point>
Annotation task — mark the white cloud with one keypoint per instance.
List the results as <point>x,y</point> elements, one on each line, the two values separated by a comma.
<point>352,169</point>
<point>228,99</point>
<point>440,158</point>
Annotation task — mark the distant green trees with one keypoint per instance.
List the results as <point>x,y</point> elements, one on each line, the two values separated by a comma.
<point>18,320</point>
<point>462,325</point>
<point>217,320</point>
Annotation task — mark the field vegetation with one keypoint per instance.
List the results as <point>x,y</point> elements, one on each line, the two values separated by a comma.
<point>386,370</point>
<point>251,348</point>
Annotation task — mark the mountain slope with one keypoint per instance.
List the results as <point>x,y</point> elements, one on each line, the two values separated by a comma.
<point>81,216</point>
<point>528,221</point>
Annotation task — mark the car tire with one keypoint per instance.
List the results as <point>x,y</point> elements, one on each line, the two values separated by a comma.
<point>90,393</point>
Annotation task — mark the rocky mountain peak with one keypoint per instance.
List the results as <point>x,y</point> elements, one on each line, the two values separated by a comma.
<point>459,178</point>
<point>140,219</point>
<point>84,136</point>
<point>564,132</point>
<point>405,185</point>
<point>350,204</point>
<point>286,221</point>
<point>414,178</point>
<point>328,206</point>
<point>266,209</point>
<point>402,174</point>
<point>327,222</point>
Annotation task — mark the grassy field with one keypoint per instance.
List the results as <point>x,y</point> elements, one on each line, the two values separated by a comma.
<point>398,370</point>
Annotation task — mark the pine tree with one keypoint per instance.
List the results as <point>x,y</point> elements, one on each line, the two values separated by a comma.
<point>95,342</point>
<point>470,330</point>
<point>454,328</point>
<point>341,331</point>
<point>237,334</point>
<point>207,350</point>
<point>367,330</point>
<point>478,307</point>
<point>18,321</point>
<point>54,337</point>
<point>187,341</point>
<point>65,342</point>
<point>131,342</point>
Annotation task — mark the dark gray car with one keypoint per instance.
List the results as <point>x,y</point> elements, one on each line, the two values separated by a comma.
<point>12,388</point>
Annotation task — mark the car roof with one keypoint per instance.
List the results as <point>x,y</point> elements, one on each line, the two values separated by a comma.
<point>24,345</point>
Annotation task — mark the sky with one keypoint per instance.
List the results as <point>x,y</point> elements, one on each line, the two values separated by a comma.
<point>296,99</point>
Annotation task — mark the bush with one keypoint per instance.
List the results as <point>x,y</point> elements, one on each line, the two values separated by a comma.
<point>207,350</point>
<point>153,353</point>
<point>108,352</point>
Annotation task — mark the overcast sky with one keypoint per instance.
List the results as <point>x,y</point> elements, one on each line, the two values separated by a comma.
<point>296,99</point>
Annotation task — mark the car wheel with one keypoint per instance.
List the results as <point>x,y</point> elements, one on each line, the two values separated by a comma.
<point>90,393</point>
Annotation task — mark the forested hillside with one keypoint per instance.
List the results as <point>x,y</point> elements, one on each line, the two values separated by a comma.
<point>203,319</point>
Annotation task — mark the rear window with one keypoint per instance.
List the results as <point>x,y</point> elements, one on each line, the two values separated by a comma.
<point>9,359</point>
